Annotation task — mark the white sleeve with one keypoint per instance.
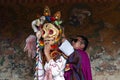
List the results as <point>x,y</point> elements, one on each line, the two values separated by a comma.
<point>66,48</point>
<point>56,66</point>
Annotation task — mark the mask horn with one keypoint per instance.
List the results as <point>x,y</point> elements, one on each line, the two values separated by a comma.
<point>46,11</point>
<point>57,15</point>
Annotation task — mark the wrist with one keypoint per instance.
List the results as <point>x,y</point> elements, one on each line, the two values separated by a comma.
<point>48,57</point>
<point>63,39</point>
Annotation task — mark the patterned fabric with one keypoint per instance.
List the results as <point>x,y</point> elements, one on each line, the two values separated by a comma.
<point>57,68</point>
<point>48,75</point>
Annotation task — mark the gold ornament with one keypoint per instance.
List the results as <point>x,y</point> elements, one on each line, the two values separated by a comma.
<point>46,11</point>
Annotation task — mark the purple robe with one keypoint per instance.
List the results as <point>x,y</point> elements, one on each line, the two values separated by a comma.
<point>85,65</point>
<point>79,65</point>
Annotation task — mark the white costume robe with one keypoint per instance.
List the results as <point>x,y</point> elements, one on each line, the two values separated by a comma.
<point>56,67</point>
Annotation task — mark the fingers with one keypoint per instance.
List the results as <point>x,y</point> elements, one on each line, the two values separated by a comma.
<point>46,42</point>
<point>47,48</point>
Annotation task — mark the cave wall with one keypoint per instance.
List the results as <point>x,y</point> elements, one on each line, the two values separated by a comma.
<point>101,27</point>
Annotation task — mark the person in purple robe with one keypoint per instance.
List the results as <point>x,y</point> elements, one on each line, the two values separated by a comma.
<point>78,65</point>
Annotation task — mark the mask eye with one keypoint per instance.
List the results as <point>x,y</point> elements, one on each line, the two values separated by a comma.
<point>50,31</point>
<point>43,32</point>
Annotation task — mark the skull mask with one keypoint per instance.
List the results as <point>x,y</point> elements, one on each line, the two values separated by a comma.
<point>50,33</point>
<point>49,27</point>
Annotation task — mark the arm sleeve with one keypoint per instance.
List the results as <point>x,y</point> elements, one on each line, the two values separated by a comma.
<point>74,60</point>
<point>74,70</point>
<point>66,48</point>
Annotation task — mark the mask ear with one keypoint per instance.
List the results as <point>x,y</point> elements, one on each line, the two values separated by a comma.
<point>57,15</point>
<point>46,11</point>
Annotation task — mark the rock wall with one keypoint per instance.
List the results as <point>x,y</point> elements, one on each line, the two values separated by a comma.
<point>101,27</point>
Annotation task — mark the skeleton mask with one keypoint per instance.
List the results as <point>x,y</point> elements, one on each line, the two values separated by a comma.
<point>49,27</point>
<point>50,33</point>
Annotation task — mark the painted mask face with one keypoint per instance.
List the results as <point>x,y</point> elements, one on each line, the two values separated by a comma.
<point>50,33</point>
<point>49,28</point>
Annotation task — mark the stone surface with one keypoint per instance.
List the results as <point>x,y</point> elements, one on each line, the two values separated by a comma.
<point>15,65</point>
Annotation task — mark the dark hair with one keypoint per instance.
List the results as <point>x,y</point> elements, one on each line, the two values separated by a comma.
<point>85,41</point>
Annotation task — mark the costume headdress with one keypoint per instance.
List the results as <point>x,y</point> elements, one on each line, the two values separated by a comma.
<point>49,26</point>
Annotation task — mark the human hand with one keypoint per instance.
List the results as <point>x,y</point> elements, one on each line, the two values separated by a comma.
<point>47,48</point>
<point>63,35</point>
